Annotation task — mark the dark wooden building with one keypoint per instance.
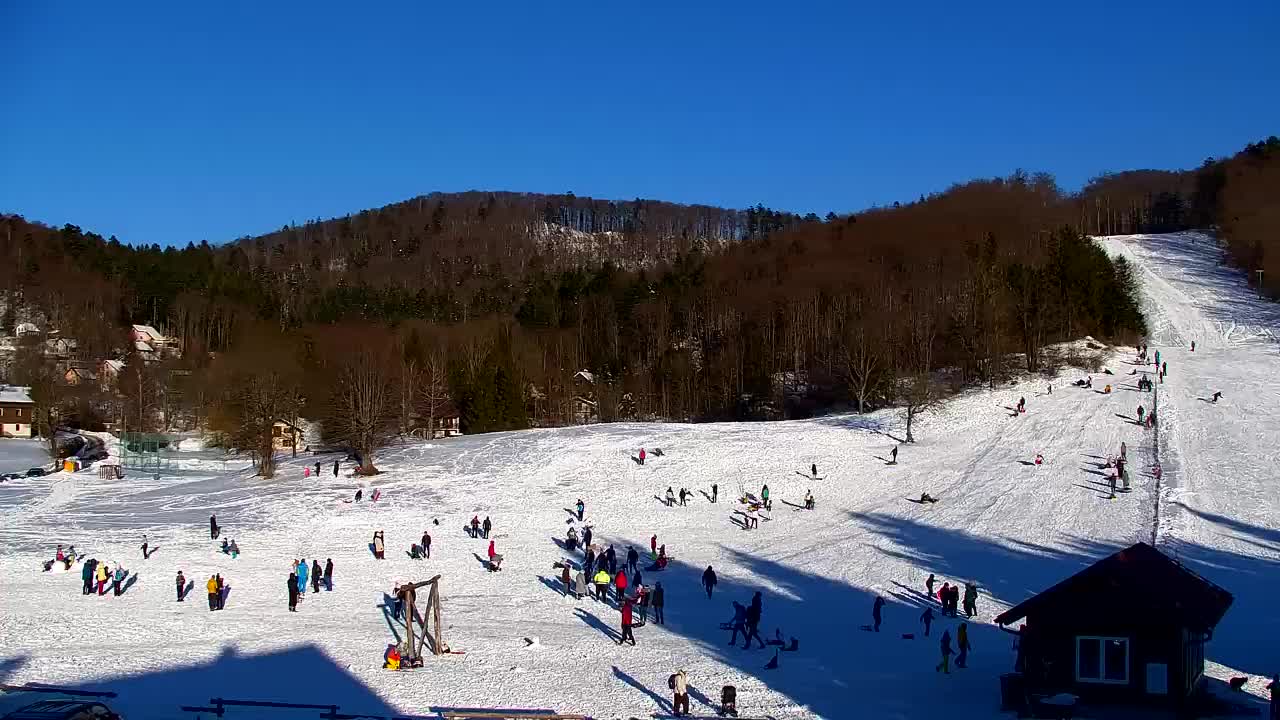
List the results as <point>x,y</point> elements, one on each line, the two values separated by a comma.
<point>1129,628</point>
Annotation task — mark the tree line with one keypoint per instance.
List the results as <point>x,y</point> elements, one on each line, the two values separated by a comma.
<point>488,305</point>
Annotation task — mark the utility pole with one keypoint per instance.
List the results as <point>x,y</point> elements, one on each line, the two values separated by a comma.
<point>1260,292</point>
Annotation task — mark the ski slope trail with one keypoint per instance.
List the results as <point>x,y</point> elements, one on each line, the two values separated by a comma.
<point>1221,501</point>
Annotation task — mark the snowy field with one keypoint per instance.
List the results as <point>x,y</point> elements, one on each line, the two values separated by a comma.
<point>1002,521</point>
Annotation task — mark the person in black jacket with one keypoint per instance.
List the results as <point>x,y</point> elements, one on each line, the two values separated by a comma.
<point>182,585</point>
<point>709,580</point>
<point>426,544</point>
<point>317,574</point>
<point>213,527</point>
<point>612,558</point>
<point>875,612</point>
<point>632,558</point>
<point>293,592</point>
<point>488,525</point>
<point>328,575</point>
<point>658,601</point>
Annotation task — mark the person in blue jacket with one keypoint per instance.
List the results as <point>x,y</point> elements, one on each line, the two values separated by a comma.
<point>302,576</point>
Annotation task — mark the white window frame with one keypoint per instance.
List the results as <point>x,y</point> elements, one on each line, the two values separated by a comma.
<point>1102,660</point>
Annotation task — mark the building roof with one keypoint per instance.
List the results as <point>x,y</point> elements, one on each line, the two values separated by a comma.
<point>141,346</point>
<point>15,394</point>
<point>149,331</point>
<point>113,365</point>
<point>1142,578</point>
<point>25,328</point>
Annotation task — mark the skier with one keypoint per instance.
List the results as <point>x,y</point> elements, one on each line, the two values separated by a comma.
<point>328,575</point>
<point>426,544</point>
<point>893,454</point>
<point>671,497</point>
<point>144,547</point>
<point>213,527</point>
<point>627,634</point>
<point>182,585</point>
<point>927,619</point>
<point>928,585</point>
<point>641,456</point>
<point>581,508</point>
<point>487,526</point>
<point>633,557</point>
<point>118,578</point>
<point>658,601</point>
<point>764,497</point>
<point>1217,396</point>
<point>875,612</point>
<point>962,644</point>
<point>945,646</point>
<point>317,574</point>
<point>679,684</point>
<point>709,580</point>
<point>212,588</point>
<point>293,592</point>
<point>715,492</point>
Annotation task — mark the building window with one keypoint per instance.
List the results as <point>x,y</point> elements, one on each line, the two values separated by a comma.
<point>1102,660</point>
<point>19,411</point>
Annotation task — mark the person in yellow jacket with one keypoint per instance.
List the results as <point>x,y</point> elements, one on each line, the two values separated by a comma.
<point>212,587</point>
<point>601,579</point>
<point>100,575</point>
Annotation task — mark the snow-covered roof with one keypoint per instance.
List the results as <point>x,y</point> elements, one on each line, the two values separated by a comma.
<point>114,366</point>
<point>149,331</point>
<point>15,394</point>
<point>142,347</point>
<point>25,329</point>
<point>586,375</point>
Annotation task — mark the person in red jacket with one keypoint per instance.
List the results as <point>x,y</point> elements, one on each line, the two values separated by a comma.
<point>620,582</point>
<point>626,624</point>
<point>641,456</point>
<point>653,545</point>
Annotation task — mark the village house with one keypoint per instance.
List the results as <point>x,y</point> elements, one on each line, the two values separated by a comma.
<point>108,371</point>
<point>285,435</point>
<point>78,373</point>
<point>17,412</point>
<point>1131,628</point>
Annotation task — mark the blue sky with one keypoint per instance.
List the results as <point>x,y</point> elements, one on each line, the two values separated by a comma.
<point>174,122</point>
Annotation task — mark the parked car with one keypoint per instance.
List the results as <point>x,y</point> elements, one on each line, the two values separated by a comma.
<point>37,472</point>
<point>63,710</point>
<point>11,476</point>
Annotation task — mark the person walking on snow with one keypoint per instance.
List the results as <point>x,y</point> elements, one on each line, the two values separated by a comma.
<point>709,580</point>
<point>658,601</point>
<point>426,544</point>
<point>641,456</point>
<point>335,468</point>
<point>486,527</point>
<point>118,578</point>
<point>317,574</point>
<point>328,575</point>
<point>970,599</point>
<point>581,508</point>
<point>680,693</point>
<point>144,547</point>
<point>627,619</point>
<point>875,612</point>
<point>213,527</point>
<point>928,586</point>
<point>653,545</point>
<point>620,584</point>
<point>101,577</point>
<point>633,557</point>
<point>182,585</point>
<point>945,645</point>
<point>212,588</point>
<point>764,496</point>
<point>962,644</point>
<point>611,557</point>
<point>683,494</point>
<point>739,622</point>
<point>893,455</point>
<point>1141,412</point>
<point>715,492</point>
<point>927,619</point>
<point>293,592</point>
<point>671,497</point>
<point>753,624</point>
<point>86,576</point>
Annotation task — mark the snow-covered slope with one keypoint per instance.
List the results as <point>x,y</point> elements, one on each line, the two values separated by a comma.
<point>1012,526</point>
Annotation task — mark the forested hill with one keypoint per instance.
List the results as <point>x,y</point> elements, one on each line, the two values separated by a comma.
<point>675,311</point>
